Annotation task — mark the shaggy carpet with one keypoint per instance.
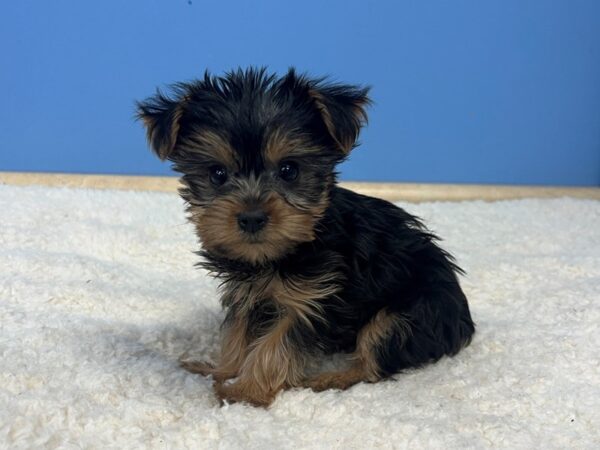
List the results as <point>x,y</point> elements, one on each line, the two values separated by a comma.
<point>99,298</point>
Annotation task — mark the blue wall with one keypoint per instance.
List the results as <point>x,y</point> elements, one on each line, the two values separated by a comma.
<point>504,91</point>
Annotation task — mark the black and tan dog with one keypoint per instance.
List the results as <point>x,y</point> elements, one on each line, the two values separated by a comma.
<point>307,267</point>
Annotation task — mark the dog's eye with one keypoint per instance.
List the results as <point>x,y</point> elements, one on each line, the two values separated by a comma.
<point>218,175</point>
<point>288,171</point>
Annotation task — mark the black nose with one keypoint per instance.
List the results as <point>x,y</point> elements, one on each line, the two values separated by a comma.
<point>252,221</point>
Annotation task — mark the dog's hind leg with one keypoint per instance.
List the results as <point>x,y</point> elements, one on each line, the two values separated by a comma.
<point>372,346</point>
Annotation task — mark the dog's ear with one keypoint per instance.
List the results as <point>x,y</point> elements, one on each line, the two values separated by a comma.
<point>162,117</point>
<point>343,109</point>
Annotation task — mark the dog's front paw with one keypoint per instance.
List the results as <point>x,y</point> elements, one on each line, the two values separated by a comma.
<point>201,367</point>
<point>243,392</point>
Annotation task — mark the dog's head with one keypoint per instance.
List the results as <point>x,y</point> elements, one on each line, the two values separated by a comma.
<point>257,155</point>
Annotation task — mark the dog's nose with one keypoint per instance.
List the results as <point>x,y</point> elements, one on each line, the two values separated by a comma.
<point>252,221</point>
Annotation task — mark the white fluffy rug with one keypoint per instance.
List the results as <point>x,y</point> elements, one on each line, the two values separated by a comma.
<point>99,298</point>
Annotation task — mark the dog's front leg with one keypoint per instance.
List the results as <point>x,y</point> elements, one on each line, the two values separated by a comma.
<point>234,349</point>
<point>272,364</point>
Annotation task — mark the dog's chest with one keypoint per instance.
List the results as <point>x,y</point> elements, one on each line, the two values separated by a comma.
<point>302,297</point>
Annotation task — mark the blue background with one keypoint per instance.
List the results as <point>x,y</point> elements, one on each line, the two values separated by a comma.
<point>503,91</point>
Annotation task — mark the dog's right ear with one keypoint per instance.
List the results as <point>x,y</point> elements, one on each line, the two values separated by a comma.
<point>162,116</point>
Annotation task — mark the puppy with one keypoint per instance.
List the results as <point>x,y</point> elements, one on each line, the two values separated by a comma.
<point>307,268</point>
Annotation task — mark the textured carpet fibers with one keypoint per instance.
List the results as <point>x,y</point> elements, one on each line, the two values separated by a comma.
<point>99,298</point>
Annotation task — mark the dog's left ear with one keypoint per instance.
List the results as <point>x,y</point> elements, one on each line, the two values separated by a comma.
<point>343,109</point>
<point>162,117</point>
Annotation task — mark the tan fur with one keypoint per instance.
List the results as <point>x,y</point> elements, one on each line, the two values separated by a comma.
<point>371,335</point>
<point>337,380</point>
<point>280,145</point>
<point>218,229</point>
<point>165,148</point>
<point>216,224</point>
<point>211,145</point>
<point>358,111</point>
<point>270,366</point>
<point>299,297</point>
<point>201,367</point>
<point>234,348</point>
<point>271,363</point>
<point>244,390</point>
<point>365,366</point>
<point>326,115</point>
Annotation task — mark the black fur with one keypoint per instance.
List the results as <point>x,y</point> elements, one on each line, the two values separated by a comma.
<point>392,261</point>
<point>388,259</point>
<point>380,256</point>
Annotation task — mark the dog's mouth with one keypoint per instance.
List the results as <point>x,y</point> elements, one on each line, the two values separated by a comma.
<point>223,231</point>
<point>255,239</point>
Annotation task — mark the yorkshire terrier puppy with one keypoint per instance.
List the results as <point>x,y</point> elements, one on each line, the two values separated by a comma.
<point>308,268</point>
